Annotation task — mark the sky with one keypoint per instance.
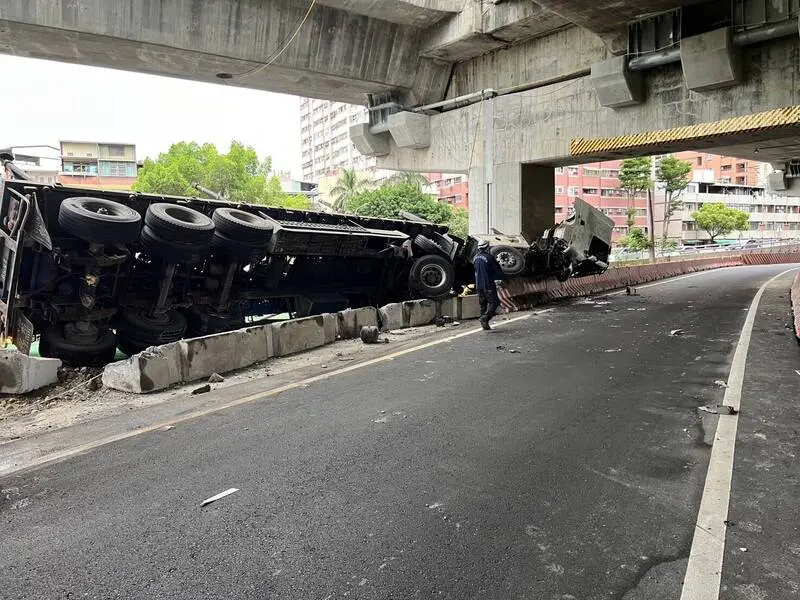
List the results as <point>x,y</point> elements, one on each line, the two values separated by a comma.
<point>44,102</point>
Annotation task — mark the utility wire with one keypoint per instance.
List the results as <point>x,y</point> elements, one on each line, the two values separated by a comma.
<point>285,45</point>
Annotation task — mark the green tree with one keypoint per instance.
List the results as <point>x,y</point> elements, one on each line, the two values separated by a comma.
<point>634,178</point>
<point>348,186</point>
<point>389,200</point>
<point>675,174</point>
<point>238,175</point>
<point>717,219</point>
<point>636,240</point>
<point>416,179</point>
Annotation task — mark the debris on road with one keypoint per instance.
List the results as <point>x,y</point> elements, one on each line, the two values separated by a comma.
<point>369,334</point>
<point>720,383</point>
<point>216,378</point>
<point>631,291</point>
<point>797,371</point>
<point>718,409</point>
<point>613,350</point>
<point>168,427</point>
<point>201,390</point>
<point>675,332</point>
<point>219,496</point>
<point>381,420</point>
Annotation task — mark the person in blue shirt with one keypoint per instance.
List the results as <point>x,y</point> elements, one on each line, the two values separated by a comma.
<point>487,271</point>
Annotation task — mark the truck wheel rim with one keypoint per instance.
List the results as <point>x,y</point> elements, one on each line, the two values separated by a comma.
<point>506,259</point>
<point>433,275</point>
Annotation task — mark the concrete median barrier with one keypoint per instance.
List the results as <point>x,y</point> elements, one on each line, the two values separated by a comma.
<point>349,322</point>
<point>298,335</point>
<point>154,369</point>
<point>413,313</point>
<point>223,352</point>
<point>20,373</point>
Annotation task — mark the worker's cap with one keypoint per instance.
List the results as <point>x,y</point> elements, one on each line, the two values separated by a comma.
<point>483,245</point>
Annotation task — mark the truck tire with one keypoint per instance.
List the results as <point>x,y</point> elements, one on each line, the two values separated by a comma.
<point>137,330</point>
<point>99,221</point>
<point>428,246</point>
<point>432,276</point>
<point>236,249</point>
<point>174,251</point>
<point>93,350</point>
<point>243,226</point>
<point>178,223</point>
<point>510,259</point>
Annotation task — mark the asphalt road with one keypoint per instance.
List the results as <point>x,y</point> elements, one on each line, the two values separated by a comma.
<point>557,457</point>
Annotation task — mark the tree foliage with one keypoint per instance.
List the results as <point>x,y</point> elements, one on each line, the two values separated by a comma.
<point>238,175</point>
<point>349,184</point>
<point>389,200</point>
<point>717,219</point>
<point>634,178</point>
<point>416,179</point>
<point>636,240</point>
<point>675,174</point>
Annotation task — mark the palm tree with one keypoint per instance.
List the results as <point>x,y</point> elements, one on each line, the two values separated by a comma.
<point>348,185</point>
<point>407,178</point>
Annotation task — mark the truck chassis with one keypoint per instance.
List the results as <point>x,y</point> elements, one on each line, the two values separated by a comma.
<point>90,271</point>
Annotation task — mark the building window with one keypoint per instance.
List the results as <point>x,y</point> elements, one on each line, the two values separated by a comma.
<point>740,180</point>
<point>741,166</point>
<point>572,171</point>
<point>559,189</point>
<point>699,161</point>
<point>572,190</point>
<point>559,170</point>
<point>116,151</point>
<point>590,191</point>
<point>725,168</point>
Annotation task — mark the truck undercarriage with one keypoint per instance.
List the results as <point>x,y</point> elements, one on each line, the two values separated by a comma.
<point>90,271</point>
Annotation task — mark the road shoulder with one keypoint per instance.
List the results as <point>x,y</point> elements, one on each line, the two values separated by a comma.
<point>762,551</point>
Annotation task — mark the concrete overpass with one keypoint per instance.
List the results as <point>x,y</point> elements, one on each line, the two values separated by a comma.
<point>501,89</point>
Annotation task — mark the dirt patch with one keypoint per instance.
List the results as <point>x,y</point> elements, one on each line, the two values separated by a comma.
<point>79,397</point>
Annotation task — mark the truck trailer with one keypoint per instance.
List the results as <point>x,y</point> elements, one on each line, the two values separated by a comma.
<point>89,271</point>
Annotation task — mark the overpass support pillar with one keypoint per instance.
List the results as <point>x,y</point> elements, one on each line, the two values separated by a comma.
<point>517,198</point>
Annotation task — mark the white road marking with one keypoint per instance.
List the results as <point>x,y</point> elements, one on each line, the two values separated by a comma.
<point>665,281</point>
<point>704,570</point>
<point>8,469</point>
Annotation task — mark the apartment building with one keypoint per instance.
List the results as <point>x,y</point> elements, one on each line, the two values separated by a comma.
<point>772,216</point>
<point>98,164</point>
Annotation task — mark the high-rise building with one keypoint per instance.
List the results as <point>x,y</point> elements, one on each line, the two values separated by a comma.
<point>98,164</point>
<point>325,144</point>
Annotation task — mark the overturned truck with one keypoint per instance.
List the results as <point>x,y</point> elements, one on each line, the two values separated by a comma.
<point>89,271</point>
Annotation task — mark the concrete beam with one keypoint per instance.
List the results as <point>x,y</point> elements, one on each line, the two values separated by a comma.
<point>566,51</point>
<point>369,144</point>
<point>480,28</point>
<point>417,13</point>
<point>410,130</point>
<point>539,125</point>
<point>336,55</point>
<point>711,61</point>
